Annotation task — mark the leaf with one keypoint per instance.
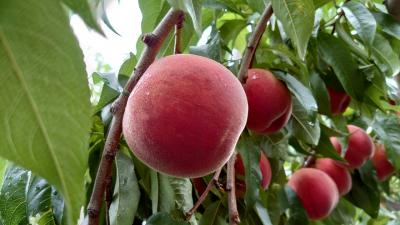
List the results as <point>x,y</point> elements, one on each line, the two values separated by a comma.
<point>334,52</point>
<point>363,195</point>
<point>126,192</point>
<point>82,8</point>
<point>320,3</point>
<point>45,96</point>
<point>12,196</point>
<point>210,50</point>
<point>297,212</point>
<point>292,14</point>
<point>321,94</point>
<point>362,21</point>
<point>213,215</point>
<point>193,8</point>
<point>38,196</point>
<point>164,219</point>
<point>384,56</point>
<point>126,69</point>
<point>325,148</point>
<point>301,92</point>
<point>3,167</point>
<point>43,219</point>
<point>262,213</point>
<point>303,127</point>
<point>388,129</point>
<point>110,90</point>
<point>250,154</point>
<point>388,24</point>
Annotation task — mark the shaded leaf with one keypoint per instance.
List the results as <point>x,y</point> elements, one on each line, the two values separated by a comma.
<point>38,196</point>
<point>164,219</point>
<point>213,215</point>
<point>388,24</point>
<point>12,196</point>
<point>334,52</point>
<point>82,8</point>
<point>193,8</point>
<point>126,192</point>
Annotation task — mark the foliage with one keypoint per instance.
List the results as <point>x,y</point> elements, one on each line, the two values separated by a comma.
<point>311,45</point>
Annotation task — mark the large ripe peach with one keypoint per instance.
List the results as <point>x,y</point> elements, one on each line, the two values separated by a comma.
<point>185,116</point>
<point>339,101</point>
<point>360,147</point>
<point>316,191</point>
<point>384,168</point>
<point>270,103</point>
<point>337,172</point>
<point>265,169</point>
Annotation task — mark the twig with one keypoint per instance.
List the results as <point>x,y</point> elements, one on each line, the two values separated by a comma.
<point>153,43</point>
<point>253,43</point>
<point>340,14</point>
<point>308,161</point>
<point>213,182</point>
<point>108,199</point>
<point>178,32</point>
<point>234,218</point>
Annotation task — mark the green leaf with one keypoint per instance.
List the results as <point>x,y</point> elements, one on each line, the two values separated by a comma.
<point>388,129</point>
<point>127,69</point>
<point>336,54</point>
<point>213,215</point>
<point>164,219</point>
<point>250,154</point>
<point>38,196</point>
<point>45,96</point>
<point>388,24</point>
<point>362,21</point>
<point>297,214</point>
<point>257,5</point>
<point>303,127</point>
<point>3,167</point>
<point>126,192</point>
<point>262,213</point>
<point>384,56</point>
<point>292,14</point>
<point>363,195</point>
<point>43,219</point>
<point>342,214</point>
<point>321,93</point>
<point>12,196</point>
<point>301,92</point>
<point>320,3</point>
<point>326,148</point>
<point>82,8</point>
<point>193,8</point>
<point>210,50</point>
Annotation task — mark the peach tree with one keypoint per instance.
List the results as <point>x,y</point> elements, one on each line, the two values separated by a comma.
<point>267,112</point>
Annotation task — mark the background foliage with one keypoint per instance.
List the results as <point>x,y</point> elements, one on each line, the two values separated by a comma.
<point>52,137</point>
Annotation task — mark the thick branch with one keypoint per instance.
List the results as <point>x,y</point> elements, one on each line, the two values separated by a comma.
<point>153,43</point>
<point>234,218</point>
<point>178,32</point>
<point>253,43</point>
<point>211,184</point>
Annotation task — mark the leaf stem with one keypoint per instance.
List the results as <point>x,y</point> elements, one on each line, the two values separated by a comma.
<point>178,32</point>
<point>253,43</point>
<point>211,184</point>
<point>234,218</point>
<point>153,43</point>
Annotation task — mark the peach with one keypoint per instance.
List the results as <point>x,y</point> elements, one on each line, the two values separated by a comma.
<point>360,147</point>
<point>339,101</point>
<point>316,191</point>
<point>270,103</point>
<point>338,172</point>
<point>265,169</point>
<point>185,116</point>
<point>384,168</point>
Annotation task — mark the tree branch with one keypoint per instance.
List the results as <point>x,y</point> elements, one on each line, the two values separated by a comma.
<point>178,32</point>
<point>253,43</point>
<point>308,161</point>
<point>234,218</point>
<point>153,43</point>
<point>213,182</point>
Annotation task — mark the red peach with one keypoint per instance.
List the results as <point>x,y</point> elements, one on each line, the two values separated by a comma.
<point>384,168</point>
<point>360,147</point>
<point>270,103</point>
<point>185,115</point>
<point>316,191</point>
<point>339,101</point>
<point>337,172</point>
